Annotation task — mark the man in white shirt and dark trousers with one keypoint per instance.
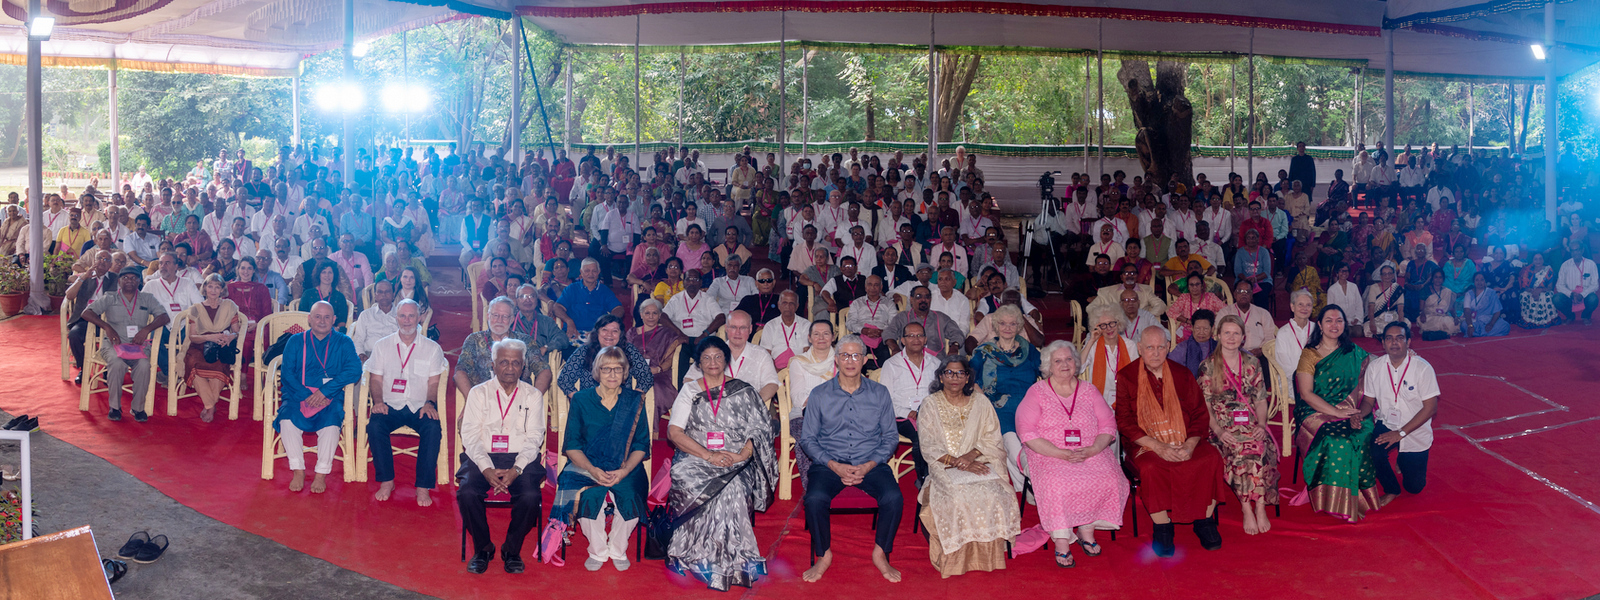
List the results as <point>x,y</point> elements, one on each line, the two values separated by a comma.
<point>502,438</point>
<point>908,375</point>
<point>1405,393</point>
<point>403,381</point>
<point>1577,285</point>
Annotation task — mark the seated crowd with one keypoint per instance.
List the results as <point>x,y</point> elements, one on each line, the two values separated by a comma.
<point>887,310</point>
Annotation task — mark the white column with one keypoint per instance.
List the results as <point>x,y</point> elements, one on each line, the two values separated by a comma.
<point>783,60</point>
<point>805,108</point>
<point>116,143</point>
<point>515,152</point>
<point>683,70</point>
<point>1361,126</point>
<point>1472,115</point>
<point>1250,120</point>
<point>638,129</point>
<point>1233,118</point>
<point>38,302</point>
<point>566,114</point>
<point>1551,112</point>
<point>348,140</point>
<point>294,106</point>
<point>933,100</point>
<point>1100,71</point>
<point>1088,123</point>
<point>1388,94</point>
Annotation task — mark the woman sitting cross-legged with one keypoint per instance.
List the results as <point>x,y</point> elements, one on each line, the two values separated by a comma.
<point>968,505</point>
<point>608,436</point>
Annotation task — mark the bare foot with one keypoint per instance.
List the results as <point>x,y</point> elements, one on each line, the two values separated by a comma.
<point>1263,524</point>
<point>424,498</point>
<point>814,574</point>
<point>881,561</point>
<point>385,490</point>
<point>1385,499</point>
<point>319,484</point>
<point>1250,527</point>
<point>298,481</point>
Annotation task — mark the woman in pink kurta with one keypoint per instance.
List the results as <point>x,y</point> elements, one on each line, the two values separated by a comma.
<point>1068,432</point>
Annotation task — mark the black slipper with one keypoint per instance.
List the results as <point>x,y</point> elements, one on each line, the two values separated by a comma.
<point>31,425</point>
<point>135,542</point>
<point>151,551</point>
<point>14,422</point>
<point>114,569</point>
<point>114,415</point>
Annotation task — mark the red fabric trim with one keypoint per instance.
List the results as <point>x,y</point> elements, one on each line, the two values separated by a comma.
<point>948,7</point>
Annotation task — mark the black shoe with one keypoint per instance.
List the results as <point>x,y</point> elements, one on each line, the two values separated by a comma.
<point>136,542</point>
<point>151,551</point>
<point>1162,540</point>
<point>1206,530</point>
<point>77,380</point>
<point>140,416</point>
<point>115,414</point>
<point>14,422</point>
<point>31,425</point>
<point>513,562</point>
<point>480,560</point>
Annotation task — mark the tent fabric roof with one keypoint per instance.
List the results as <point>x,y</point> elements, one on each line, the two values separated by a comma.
<point>1482,38</point>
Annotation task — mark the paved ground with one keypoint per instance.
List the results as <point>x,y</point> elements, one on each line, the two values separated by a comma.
<point>207,559</point>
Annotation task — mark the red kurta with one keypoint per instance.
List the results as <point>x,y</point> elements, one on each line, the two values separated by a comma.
<point>1183,488</point>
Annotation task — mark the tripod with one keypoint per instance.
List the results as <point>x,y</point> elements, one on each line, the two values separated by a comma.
<point>1045,207</point>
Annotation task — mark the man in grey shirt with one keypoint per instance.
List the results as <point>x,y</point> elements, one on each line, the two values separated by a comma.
<point>127,317</point>
<point>849,432</point>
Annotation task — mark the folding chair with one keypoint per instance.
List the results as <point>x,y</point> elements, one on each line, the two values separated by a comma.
<point>95,371</point>
<point>178,387</point>
<point>272,443</point>
<point>268,330</point>
<point>364,402</point>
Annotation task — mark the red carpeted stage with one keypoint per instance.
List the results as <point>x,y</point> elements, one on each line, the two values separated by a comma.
<point>1505,515</point>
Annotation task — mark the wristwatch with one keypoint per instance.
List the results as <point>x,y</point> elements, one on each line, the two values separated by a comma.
<point>1402,433</point>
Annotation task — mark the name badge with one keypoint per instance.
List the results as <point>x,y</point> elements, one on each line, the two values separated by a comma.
<point>1073,438</point>
<point>133,330</point>
<point>327,380</point>
<point>499,443</point>
<point>716,440</point>
<point>173,307</point>
<point>1241,417</point>
<point>398,386</point>
<point>688,323</point>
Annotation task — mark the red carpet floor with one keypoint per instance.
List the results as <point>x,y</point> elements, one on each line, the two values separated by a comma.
<point>1505,514</point>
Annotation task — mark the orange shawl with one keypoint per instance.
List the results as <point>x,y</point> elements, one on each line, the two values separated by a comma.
<point>1102,356</point>
<point>1161,419</point>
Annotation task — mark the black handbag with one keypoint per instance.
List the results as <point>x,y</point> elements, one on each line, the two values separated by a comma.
<point>659,523</point>
<point>220,353</point>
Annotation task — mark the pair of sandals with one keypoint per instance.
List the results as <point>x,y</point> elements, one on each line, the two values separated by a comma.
<point>143,549</point>
<point>1090,550</point>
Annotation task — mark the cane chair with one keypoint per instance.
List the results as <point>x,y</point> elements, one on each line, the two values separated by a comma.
<point>475,270</point>
<point>1282,411</point>
<point>178,387</point>
<point>364,401</point>
<point>272,443</point>
<point>95,371</point>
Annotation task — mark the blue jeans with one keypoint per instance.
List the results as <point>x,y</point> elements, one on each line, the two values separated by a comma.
<point>378,430</point>
<point>1413,465</point>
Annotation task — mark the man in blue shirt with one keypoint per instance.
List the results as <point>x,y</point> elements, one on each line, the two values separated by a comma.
<point>585,301</point>
<point>849,432</point>
<point>317,365</point>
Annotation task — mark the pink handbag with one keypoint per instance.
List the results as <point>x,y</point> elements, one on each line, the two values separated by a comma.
<point>1032,538</point>
<point>550,541</point>
<point>661,486</point>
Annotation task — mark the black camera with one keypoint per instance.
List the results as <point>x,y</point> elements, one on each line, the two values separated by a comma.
<point>1047,185</point>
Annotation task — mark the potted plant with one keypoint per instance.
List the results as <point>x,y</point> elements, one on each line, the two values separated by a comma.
<point>57,277</point>
<point>13,287</point>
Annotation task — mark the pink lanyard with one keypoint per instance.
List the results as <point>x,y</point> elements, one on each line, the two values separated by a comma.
<point>1236,379</point>
<point>1074,407</point>
<point>721,393</point>
<point>311,349</point>
<point>916,378</point>
<point>1396,386</point>
<point>505,409</point>
<point>407,359</point>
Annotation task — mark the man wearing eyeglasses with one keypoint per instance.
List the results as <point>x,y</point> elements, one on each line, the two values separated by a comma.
<point>731,289</point>
<point>943,331</point>
<point>545,332</point>
<point>762,306</point>
<point>746,362</point>
<point>1404,391</point>
<point>850,434</point>
<point>907,375</point>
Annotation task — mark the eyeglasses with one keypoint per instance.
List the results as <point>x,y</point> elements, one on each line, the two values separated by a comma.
<point>767,280</point>
<point>851,356</point>
<point>953,373</point>
<point>1396,337</point>
<point>913,335</point>
<point>613,370</point>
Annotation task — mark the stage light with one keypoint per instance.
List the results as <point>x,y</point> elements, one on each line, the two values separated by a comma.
<point>340,97</point>
<point>361,49</point>
<point>405,98</point>
<point>1538,51</point>
<point>40,28</point>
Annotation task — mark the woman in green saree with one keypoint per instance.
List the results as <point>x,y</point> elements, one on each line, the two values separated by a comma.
<point>1335,427</point>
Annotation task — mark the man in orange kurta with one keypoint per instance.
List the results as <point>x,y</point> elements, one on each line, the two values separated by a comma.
<point>1164,421</point>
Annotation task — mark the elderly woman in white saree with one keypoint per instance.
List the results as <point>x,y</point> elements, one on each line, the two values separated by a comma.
<point>725,468</point>
<point>968,506</point>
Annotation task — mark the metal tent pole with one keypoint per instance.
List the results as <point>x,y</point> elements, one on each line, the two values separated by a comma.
<point>638,129</point>
<point>566,112</point>
<point>515,150</point>
<point>1233,118</point>
<point>1361,125</point>
<point>116,144</point>
<point>783,59</point>
<point>933,100</point>
<point>1388,95</point>
<point>38,302</point>
<point>1100,71</point>
<point>1472,115</point>
<point>294,104</point>
<point>1551,113</point>
<point>805,107</point>
<point>1088,123</point>
<point>538,93</point>
<point>349,176</point>
<point>1250,121</point>
<point>683,70</point>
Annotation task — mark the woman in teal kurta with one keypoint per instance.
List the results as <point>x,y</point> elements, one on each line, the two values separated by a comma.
<point>1335,425</point>
<point>607,437</point>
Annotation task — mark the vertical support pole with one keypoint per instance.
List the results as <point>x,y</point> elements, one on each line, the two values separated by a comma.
<point>294,106</point>
<point>1552,113</point>
<point>1472,115</point>
<point>1233,117</point>
<point>566,113</point>
<point>1088,123</point>
<point>1361,124</point>
<point>515,152</point>
<point>38,302</point>
<point>638,128</point>
<point>347,142</point>
<point>405,78</point>
<point>805,108</point>
<point>1100,71</point>
<point>1250,120</point>
<point>933,99</point>
<point>783,62</point>
<point>1388,95</point>
<point>116,144</point>
<point>683,70</point>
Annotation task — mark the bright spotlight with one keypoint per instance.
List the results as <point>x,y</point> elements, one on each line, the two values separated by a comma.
<point>340,97</point>
<point>361,49</point>
<point>40,28</point>
<point>405,98</point>
<point>1538,51</point>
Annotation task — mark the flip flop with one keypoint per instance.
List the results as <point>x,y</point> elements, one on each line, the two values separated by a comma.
<point>151,551</point>
<point>135,542</point>
<point>1070,562</point>
<point>1091,550</point>
<point>114,569</point>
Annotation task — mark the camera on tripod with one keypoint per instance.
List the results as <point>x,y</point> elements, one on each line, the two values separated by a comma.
<point>1047,185</point>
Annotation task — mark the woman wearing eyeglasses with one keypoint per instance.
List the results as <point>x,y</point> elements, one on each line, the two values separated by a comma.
<point>1070,433</point>
<point>608,436</point>
<point>808,370</point>
<point>967,503</point>
<point>1006,367</point>
<point>1106,351</point>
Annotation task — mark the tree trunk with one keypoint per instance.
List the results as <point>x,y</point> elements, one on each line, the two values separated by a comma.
<point>955,77</point>
<point>872,117</point>
<point>1527,105</point>
<point>1163,117</point>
